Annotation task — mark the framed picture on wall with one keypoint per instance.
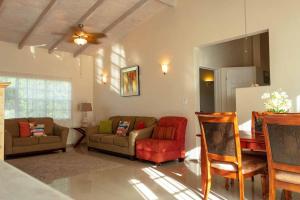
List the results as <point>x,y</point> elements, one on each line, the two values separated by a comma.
<point>129,81</point>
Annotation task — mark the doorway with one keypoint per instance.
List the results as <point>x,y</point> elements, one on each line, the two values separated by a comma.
<point>207,90</point>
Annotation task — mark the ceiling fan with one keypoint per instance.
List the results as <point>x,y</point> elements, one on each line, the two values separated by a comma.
<point>81,37</point>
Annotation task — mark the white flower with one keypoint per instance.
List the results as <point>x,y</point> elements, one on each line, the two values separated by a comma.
<point>277,101</point>
<point>265,96</point>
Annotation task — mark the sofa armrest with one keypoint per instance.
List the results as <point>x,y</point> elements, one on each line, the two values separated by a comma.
<point>91,130</point>
<point>62,132</point>
<point>7,142</point>
<point>138,134</point>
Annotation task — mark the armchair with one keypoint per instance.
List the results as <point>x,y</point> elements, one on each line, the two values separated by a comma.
<point>161,150</point>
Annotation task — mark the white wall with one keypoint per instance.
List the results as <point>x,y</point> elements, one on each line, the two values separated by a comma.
<point>38,63</point>
<point>173,35</point>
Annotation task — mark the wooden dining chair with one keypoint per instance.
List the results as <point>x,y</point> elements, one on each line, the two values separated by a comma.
<point>256,125</point>
<point>221,144</point>
<point>282,136</point>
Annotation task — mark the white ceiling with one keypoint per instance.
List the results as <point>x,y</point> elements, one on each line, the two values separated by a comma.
<point>18,16</point>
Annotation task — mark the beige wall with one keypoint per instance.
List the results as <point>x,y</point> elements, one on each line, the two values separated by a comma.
<point>174,34</point>
<point>38,63</point>
<point>228,54</point>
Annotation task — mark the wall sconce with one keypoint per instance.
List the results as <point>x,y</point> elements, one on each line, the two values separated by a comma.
<point>104,78</point>
<point>164,68</point>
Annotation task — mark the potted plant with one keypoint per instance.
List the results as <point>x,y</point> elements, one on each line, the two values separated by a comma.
<point>277,102</point>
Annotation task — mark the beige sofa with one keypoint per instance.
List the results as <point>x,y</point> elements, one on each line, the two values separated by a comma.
<point>118,144</point>
<point>56,138</point>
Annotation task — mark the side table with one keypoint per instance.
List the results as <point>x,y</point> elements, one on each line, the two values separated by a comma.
<point>82,131</point>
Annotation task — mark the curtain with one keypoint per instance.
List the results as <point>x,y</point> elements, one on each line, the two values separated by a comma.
<point>30,97</point>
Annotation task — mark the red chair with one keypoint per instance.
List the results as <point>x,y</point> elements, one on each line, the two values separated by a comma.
<point>159,150</point>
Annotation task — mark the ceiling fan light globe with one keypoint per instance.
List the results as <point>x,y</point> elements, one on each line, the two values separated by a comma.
<point>80,41</point>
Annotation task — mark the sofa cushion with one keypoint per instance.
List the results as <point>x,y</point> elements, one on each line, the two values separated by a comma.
<point>49,139</point>
<point>131,120</point>
<point>24,129</point>
<point>122,129</point>
<point>121,141</point>
<point>139,125</point>
<point>148,121</point>
<point>105,126</point>
<point>12,125</point>
<point>107,139</point>
<point>47,121</point>
<point>25,141</point>
<point>95,138</point>
<point>155,145</point>
<point>115,123</point>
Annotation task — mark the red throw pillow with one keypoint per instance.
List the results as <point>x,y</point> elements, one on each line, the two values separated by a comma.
<point>24,129</point>
<point>140,125</point>
<point>164,133</point>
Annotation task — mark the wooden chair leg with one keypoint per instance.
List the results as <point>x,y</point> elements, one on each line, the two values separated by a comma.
<point>264,186</point>
<point>232,182</point>
<point>287,195</point>
<point>207,188</point>
<point>207,182</point>
<point>241,184</point>
<point>272,188</point>
<point>227,184</point>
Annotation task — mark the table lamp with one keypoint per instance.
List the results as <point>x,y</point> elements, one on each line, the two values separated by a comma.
<point>84,108</point>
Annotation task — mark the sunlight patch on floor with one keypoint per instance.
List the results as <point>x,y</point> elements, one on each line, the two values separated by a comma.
<point>172,186</point>
<point>143,190</point>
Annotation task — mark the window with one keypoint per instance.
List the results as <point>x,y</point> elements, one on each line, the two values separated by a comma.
<point>29,97</point>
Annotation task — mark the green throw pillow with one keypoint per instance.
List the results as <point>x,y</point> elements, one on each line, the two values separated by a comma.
<point>105,126</point>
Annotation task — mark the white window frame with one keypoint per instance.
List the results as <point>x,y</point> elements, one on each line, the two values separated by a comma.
<point>46,78</point>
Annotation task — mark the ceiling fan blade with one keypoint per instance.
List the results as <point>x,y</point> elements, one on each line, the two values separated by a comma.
<point>97,35</point>
<point>75,28</point>
<point>92,40</point>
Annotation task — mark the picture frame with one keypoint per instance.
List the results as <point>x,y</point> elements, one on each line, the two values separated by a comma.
<point>130,81</point>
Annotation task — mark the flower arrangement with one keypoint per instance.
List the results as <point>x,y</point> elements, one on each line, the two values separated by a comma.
<point>277,102</point>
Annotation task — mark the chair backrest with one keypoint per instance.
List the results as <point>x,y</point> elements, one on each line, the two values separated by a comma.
<point>179,123</point>
<point>220,135</point>
<point>256,123</point>
<point>282,136</point>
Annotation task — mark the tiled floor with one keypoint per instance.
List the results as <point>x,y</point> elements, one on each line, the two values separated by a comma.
<point>15,184</point>
<point>143,180</point>
<point>131,180</point>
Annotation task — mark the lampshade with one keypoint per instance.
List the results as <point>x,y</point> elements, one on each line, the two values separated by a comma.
<point>85,107</point>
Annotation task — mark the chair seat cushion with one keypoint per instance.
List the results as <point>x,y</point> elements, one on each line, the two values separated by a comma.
<point>156,145</point>
<point>48,139</point>
<point>121,141</point>
<point>288,177</point>
<point>25,141</point>
<point>249,164</point>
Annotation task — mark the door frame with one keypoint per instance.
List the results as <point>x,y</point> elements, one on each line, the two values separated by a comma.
<point>217,75</point>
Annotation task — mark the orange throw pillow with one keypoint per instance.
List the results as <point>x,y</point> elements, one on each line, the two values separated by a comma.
<point>164,133</point>
<point>24,129</point>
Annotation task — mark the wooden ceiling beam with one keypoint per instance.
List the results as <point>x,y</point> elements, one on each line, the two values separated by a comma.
<point>36,23</point>
<point>80,21</point>
<point>170,3</point>
<point>115,23</point>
